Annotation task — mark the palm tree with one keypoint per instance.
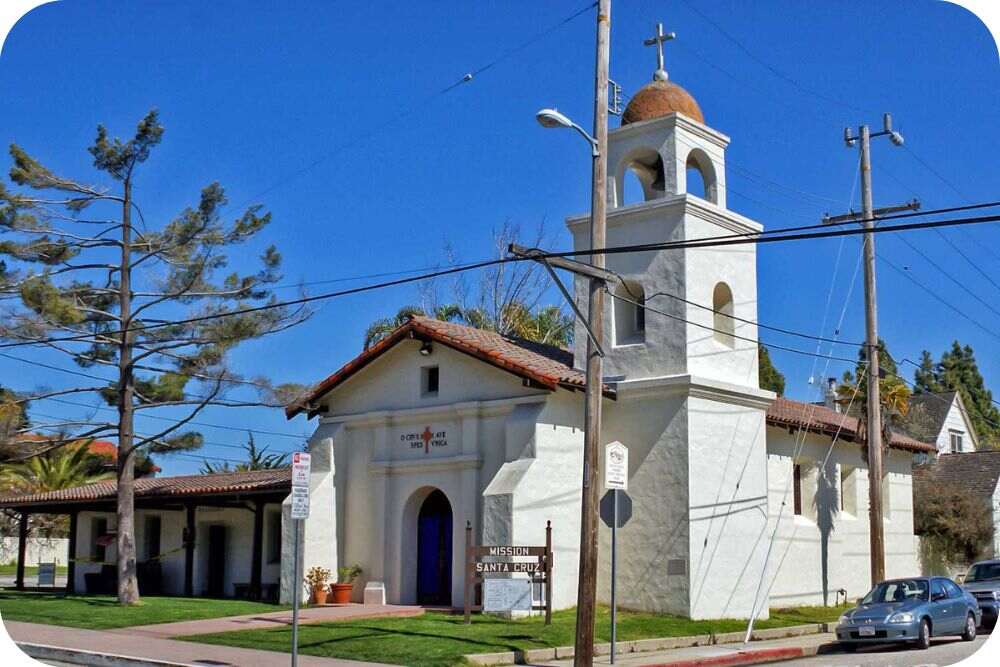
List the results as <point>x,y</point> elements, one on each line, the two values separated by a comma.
<point>61,468</point>
<point>257,459</point>
<point>379,329</point>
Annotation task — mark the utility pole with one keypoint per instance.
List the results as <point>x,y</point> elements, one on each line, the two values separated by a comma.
<point>874,410</point>
<point>586,603</point>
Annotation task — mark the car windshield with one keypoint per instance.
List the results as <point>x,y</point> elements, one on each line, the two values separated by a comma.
<point>983,572</point>
<point>897,591</point>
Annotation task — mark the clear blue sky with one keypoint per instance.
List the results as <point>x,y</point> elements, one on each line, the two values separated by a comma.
<point>326,113</point>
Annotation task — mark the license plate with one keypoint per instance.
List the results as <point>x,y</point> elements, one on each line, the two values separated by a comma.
<point>866,632</point>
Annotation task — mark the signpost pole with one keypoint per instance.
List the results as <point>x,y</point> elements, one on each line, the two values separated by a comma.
<point>296,591</point>
<point>614,575</point>
<point>301,465</point>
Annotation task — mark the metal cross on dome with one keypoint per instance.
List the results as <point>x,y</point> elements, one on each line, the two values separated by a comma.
<point>657,40</point>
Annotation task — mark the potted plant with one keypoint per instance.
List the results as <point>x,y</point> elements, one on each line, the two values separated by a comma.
<point>340,592</point>
<point>317,577</point>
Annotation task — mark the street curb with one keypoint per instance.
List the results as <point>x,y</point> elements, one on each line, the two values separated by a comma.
<point>81,657</point>
<point>648,645</point>
<point>741,658</point>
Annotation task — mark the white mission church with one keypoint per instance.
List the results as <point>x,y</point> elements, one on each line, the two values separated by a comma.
<point>741,500</point>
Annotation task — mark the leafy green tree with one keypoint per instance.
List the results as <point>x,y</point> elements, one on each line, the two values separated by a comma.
<point>770,377</point>
<point>894,395</point>
<point>153,305</point>
<point>258,458</point>
<point>954,523</point>
<point>957,370</point>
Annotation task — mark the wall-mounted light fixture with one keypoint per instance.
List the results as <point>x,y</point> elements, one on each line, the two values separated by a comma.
<point>426,348</point>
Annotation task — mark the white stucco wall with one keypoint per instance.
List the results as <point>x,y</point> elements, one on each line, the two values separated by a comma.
<point>239,547</point>
<point>826,549</point>
<point>381,471</point>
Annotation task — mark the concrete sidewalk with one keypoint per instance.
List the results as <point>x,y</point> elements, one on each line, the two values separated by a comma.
<point>127,648</point>
<point>716,655</point>
<point>272,619</point>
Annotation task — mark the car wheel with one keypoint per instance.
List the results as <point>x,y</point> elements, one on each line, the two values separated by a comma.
<point>970,628</point>
<point>924,638</point>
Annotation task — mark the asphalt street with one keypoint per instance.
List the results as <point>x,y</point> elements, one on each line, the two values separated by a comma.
<point>941,653</point>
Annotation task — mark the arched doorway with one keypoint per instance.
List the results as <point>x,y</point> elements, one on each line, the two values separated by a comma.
<point>434,533</point>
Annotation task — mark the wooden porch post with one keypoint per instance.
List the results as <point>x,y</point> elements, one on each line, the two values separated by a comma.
<point>22,549</point>
<point>189,538</point>
<point>257,565</point>
<point>71,564</point>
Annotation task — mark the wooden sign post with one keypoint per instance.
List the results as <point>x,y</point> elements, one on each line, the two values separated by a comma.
<point>539,570</point>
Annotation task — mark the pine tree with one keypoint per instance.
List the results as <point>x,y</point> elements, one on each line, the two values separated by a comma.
<point>924,380</point>
<point>770,377</point>
<point>958,371</point>
<point>142,302</point>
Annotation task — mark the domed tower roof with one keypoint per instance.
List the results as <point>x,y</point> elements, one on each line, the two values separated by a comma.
<point>659,98</point>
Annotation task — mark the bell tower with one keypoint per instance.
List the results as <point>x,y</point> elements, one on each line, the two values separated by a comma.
<point>678,311</point>
<point>681,348</point>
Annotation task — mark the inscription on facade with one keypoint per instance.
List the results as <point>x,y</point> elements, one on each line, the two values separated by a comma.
<point>425,439</point>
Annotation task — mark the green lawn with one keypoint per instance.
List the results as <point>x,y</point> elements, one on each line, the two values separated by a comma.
<point>29,570</point>
<point>440,640</point>
<point>103,612</point>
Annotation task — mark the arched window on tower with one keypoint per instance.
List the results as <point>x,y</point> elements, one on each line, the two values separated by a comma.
<point>723,322</point>
<point>630,313</point>
<point>701,180</point>
<point>643,178</point>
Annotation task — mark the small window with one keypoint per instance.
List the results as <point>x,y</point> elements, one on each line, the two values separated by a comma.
<point>152,534</point>
<point>797,488</point>
<point>630,313</point>
<point>274,537</point>
<point>723,322</point>
<point>887,497</point>
<point>98,537</point>
<point>429,380</point>
<point>956,441</point>
<point>849,490</point>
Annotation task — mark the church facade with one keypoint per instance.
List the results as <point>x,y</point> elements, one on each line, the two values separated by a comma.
<point>741,500</point>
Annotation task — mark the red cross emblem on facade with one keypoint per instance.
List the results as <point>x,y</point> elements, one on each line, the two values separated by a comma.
<point>426,437</point>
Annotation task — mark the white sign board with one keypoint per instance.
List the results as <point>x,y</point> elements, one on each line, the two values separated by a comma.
<point>506,595</point>
<point>300,469</point>
<point>46,574</point>
<point>616,466</point>
<point>300,502</point>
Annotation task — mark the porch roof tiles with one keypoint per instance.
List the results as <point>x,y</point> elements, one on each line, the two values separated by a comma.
<point>162,488</point>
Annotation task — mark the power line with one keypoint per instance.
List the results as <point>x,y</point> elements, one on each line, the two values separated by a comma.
<point>766,236</point>
<point>420,105</point>
<point>168,419</point>
<point>906,274</point>
<point>756,341</point>
<point>948,275</point>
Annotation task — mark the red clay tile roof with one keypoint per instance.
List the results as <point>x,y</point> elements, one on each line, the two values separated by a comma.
<point>820,419</point>
<point>545,365</point>
<point>164,487</point>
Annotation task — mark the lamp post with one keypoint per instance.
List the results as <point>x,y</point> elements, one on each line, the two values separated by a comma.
<point>586,603</point>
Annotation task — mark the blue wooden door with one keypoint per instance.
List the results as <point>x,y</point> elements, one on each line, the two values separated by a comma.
<point>434,534</point>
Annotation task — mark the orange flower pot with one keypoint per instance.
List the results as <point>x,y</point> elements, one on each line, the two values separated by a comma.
<point>340,593</point>
<point>318,594</point>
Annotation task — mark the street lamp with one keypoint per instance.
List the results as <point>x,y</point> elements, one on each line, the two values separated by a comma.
<point>550,118</point>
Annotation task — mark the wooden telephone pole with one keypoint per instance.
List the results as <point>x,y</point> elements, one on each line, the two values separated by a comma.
<point>587,587</point>
<point>874,406</point>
